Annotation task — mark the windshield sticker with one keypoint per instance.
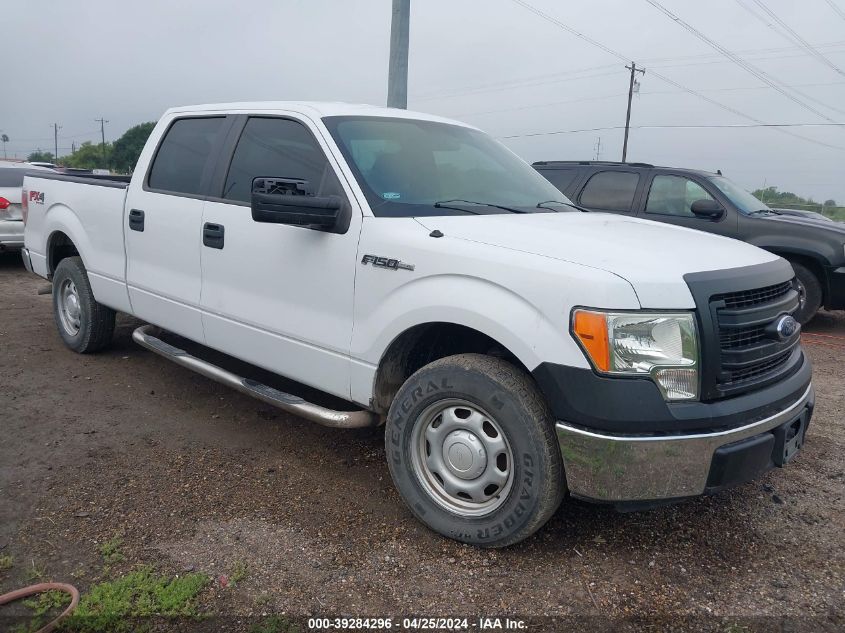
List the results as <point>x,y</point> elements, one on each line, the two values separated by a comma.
<point>391,195</point>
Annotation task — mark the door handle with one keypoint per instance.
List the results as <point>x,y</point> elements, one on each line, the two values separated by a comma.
<point>212,235</point>
<point>136,220</point>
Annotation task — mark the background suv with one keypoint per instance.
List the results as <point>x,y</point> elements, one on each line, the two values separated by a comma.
<point>710,202</point>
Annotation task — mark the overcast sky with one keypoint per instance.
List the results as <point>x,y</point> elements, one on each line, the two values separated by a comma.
<point>494,64</point>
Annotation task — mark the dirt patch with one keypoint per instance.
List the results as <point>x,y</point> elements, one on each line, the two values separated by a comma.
<point>192,476</point>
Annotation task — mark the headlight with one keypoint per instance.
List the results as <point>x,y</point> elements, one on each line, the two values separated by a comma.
<point>662,346</point>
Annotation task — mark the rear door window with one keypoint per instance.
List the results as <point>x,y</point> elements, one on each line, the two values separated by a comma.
<point>610,191</point>
<point>184,155</point>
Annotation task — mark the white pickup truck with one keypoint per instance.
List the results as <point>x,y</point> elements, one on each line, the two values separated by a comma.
<point>515,347</point>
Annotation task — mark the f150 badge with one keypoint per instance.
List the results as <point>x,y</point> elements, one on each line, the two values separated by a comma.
<point>386,262</point>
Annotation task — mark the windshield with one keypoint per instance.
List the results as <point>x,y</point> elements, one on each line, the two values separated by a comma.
<point>406,166</point>
<point>743,200</point>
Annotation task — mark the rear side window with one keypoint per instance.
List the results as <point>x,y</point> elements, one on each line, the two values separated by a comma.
<point>12,177</point>
<point>183,155</point>
<point>560,178</point>
<point>610,190</point>
<point>279,148</point>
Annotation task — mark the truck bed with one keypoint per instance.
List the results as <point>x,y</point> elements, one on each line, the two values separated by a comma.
<point>112,180</point>
<point>89,210</point>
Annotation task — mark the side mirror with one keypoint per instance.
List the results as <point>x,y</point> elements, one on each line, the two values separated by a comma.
<point>707,208</point>
<point>289,201</point>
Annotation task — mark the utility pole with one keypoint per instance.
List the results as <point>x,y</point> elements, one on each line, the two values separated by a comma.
<point>56,128</point>
<point>598,148</point>
<point>633,68</point>
<point>102,123</point>
<point>397,74</point>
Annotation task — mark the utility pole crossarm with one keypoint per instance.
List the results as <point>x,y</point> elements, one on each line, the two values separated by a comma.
<point>633,68</point>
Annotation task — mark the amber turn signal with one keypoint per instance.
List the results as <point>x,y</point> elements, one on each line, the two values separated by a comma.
<point>591,330</point>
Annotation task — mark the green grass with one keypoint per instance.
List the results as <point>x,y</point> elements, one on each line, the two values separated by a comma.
<point>110,550</point>
<point>49,602</point>
<point>6,562</point>
<point>112,605</point>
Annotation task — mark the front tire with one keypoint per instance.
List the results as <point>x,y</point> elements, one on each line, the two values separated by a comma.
<point>472,450</point>
<point>810,289</point>
<point>84,325</point>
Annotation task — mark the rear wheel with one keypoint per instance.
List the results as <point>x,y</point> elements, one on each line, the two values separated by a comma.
<point>472,450</point>
<point>810,292</point>
<point>84,325</point>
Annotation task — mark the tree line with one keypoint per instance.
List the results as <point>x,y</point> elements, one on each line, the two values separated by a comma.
<point>786,199</point>
<point>119,156</point>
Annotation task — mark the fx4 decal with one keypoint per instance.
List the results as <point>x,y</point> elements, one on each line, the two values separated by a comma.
<point>37,197</point>
<point>386,262</point>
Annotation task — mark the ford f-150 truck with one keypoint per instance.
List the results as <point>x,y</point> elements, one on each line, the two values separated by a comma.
<point>516,348</point>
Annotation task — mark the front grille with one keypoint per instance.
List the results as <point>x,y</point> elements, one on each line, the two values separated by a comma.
<point>738,310</point>
<point>750,351</point>
<point>757,370</point>
<point>746,298</point>
<point>741,338</point>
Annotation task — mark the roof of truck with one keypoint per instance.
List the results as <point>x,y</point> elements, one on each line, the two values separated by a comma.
<point>316,109</point>
<point>540,164</point>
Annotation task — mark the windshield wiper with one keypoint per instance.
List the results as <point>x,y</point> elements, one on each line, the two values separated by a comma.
<point>444,204</point>
<point>765,211</point>
<point>566,204</point>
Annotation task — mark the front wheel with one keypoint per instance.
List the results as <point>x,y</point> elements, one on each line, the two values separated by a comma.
<point>472,450</point>
<point>809,292</point>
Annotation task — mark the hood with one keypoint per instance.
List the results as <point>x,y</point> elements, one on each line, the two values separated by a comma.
<point>653,257</point>
<point>830,225</point>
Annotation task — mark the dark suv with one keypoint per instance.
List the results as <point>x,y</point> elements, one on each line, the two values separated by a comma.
<point>710,202</point>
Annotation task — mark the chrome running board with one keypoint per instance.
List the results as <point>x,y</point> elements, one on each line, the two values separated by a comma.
<point>285,401</point>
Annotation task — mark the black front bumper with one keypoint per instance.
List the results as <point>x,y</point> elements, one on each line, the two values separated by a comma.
<point>622,443</point>
<point>635,405</point>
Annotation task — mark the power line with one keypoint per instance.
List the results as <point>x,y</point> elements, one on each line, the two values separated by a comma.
<point>664,78</point>
<point>839,11</point>
<point>526,82</point>
<point>537,80</point>
<point>793,36</point>
<point>677,127</point>
<point>739,61</point>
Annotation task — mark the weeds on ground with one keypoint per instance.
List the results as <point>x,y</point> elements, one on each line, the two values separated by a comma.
<point>49,602</point>
<point>6,562</point>
<point>34,572</point>
<point>112,605</point>
<point>110,551</point>
<point>275,624</point>
<point>239,572</point>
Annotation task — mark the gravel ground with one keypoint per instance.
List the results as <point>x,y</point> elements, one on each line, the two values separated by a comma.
<point>303,520</point>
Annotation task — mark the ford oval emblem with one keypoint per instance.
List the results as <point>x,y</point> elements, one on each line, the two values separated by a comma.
<point>786,327</point>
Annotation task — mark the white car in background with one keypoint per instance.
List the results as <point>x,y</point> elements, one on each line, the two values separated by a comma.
<point>11,220</point>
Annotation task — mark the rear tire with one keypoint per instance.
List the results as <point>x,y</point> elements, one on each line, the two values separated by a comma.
<point>472,450</point>
<point>84,325</point>
<point>810,289</point>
